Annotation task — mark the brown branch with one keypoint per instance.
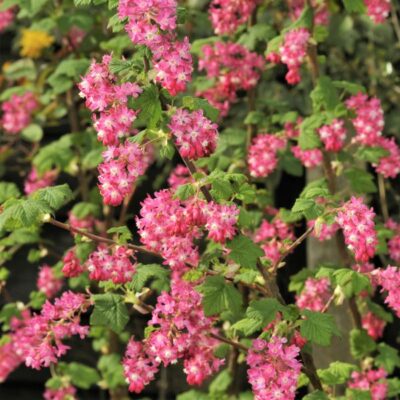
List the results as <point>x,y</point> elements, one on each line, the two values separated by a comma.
<point>311,371</point>
<point>229,341</point>
<point>97,238</point>
<point>382,197</point>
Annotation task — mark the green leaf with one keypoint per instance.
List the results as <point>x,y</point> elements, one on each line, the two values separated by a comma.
<point>393,387</point>
<point>149,105</point>
<point>351,282</point>
<point>84,209</point>
<point>361,345</point>
<point>388,357</point>
<point>317,395</point>
<point>24,68</point>
<point>124,235</point>
<point>318,327</point>
<point>54,196</point>
<point>337,373</point>
<point>32,133</point>
<point>82,376</point>
<point>110,311</point>
<point>219,296</point>
<point>308,138</point>
<point>249,219</point>
<point>350,87</point>
<point>37,299</point>
<point>274,44</point>
<point>111,370</point>
<point>195,103</point>
<point>325,96</point>
<point>291,164</point>
<point>254,117</point>
<point>264,310</point>
<point>354,6</point>
<point>360,181</point>
<point>221,382</point>
<point>66,73</point>
<point>354,394</point>
<point>257,33</point>
<point>8,190</point>
<point>146,272</point>
<point>244,251</point>
<point>185,191</point>
<point>371,154</point>
<point>248,326</point>
<point>193,395</point>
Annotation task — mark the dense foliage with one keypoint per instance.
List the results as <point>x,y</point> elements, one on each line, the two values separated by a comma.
<point>156,132</point>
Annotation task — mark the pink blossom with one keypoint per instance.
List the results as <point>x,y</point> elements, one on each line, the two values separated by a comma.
<point>195,135</point>
<point>17,112</point>
<point>262,155</point>
<point>373,325</point>
<point>6,17</point>
<point>372,380</point>
<point>227,15</point>
<point>378,10</point>
<point>72,266</point>
<point>35,180</point>
<point>309,158</point>
<point>9,360</point>
<point>274,369</point>
<point>389,166</point>
<point>48,282</point>
<point>333,135</point>
<point>389,279</point>
<point>63,393</point>
<point>116,266</point>
<point>315,294</point>
<point>179,176</point>
<point>292,53</point>
<point>221,221</point>
<point>233,67</point>
<point>357,223</point>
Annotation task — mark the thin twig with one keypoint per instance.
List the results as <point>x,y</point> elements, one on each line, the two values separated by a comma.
<point>229,341</point>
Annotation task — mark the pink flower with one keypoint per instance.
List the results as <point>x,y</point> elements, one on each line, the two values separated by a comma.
<point>48,282</point>
<point>221,221</point>
<point>372,380</point>
<point>389,166</point>
<point>17,112</point>
<point>35,181</point>
<point>227,15</point>
<point>179,176</point>
<point>333,135</point>
<point>233,67</point>
<point>373,325</point>
<point>6,17</point>
<point>378,10</point>
<point>72,266</point>
<point>309,158</point>
<point>357,222</point>
<point>389,279</point>
<point>63,393</point>
<point>262,155</point>
<point>273,369</point>
<point>315,294</point>
<point>195,135</point>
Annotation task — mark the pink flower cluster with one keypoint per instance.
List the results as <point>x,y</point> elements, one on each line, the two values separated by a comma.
<point>37,339</point>
<point>389,166</point>
<point>35,181</point>
<point>195,135</point>
<point>17,112</point>
<point>357,222</point>
<point>152,23</point>
<point>99,88</point>
<point>71,265</point>
<point>63,393</point>
<point>389,279</point>
<point>262,155</point>
<point>378,10</point>
<point>6,17</point>
<point>9,360</point>
<point>116,266</point>
<point>292,53</point>
<point>372,380</point>
<point>274,369</point>
<point>48,282</point>
<point>169,226</point>
<point>183,333</point>
<point>394,242</point>
<point>333,135</point>
<point>233,67</point>
<point>179,176</point>
<point>324,231</point>
<point>373,325</point>
<point>274,237</point>
<point>315,294</point>
<point>122,166</point>
<point>321,12</point>
<point>227,15</point>
<point>309,158</point>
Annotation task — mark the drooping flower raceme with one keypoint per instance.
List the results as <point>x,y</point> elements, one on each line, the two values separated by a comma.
<point>389,279</point>
<point>227,15</point>
<point>274,369</point>
<point>262,155</point>
<point>195,135</point>
<point>389,166</point>
<point>6,17</point>
<point>378,10</point>
<point>233,67</point>
<point>292,53</point>
<point>333,135</point>
<point>72,266</point>
<point>48,282</point>
<point>372,381</point>
<point>315,294</point>
<point>182,332</point>
<point>373,325</point>
<point>357,222</point>
<point>17,112</point>
<point>309,158</point>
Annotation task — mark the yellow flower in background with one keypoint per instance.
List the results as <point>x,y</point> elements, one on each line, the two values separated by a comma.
<point>34,42</point>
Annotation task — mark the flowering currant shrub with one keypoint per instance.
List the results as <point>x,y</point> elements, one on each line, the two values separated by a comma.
<point>144,149</point>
